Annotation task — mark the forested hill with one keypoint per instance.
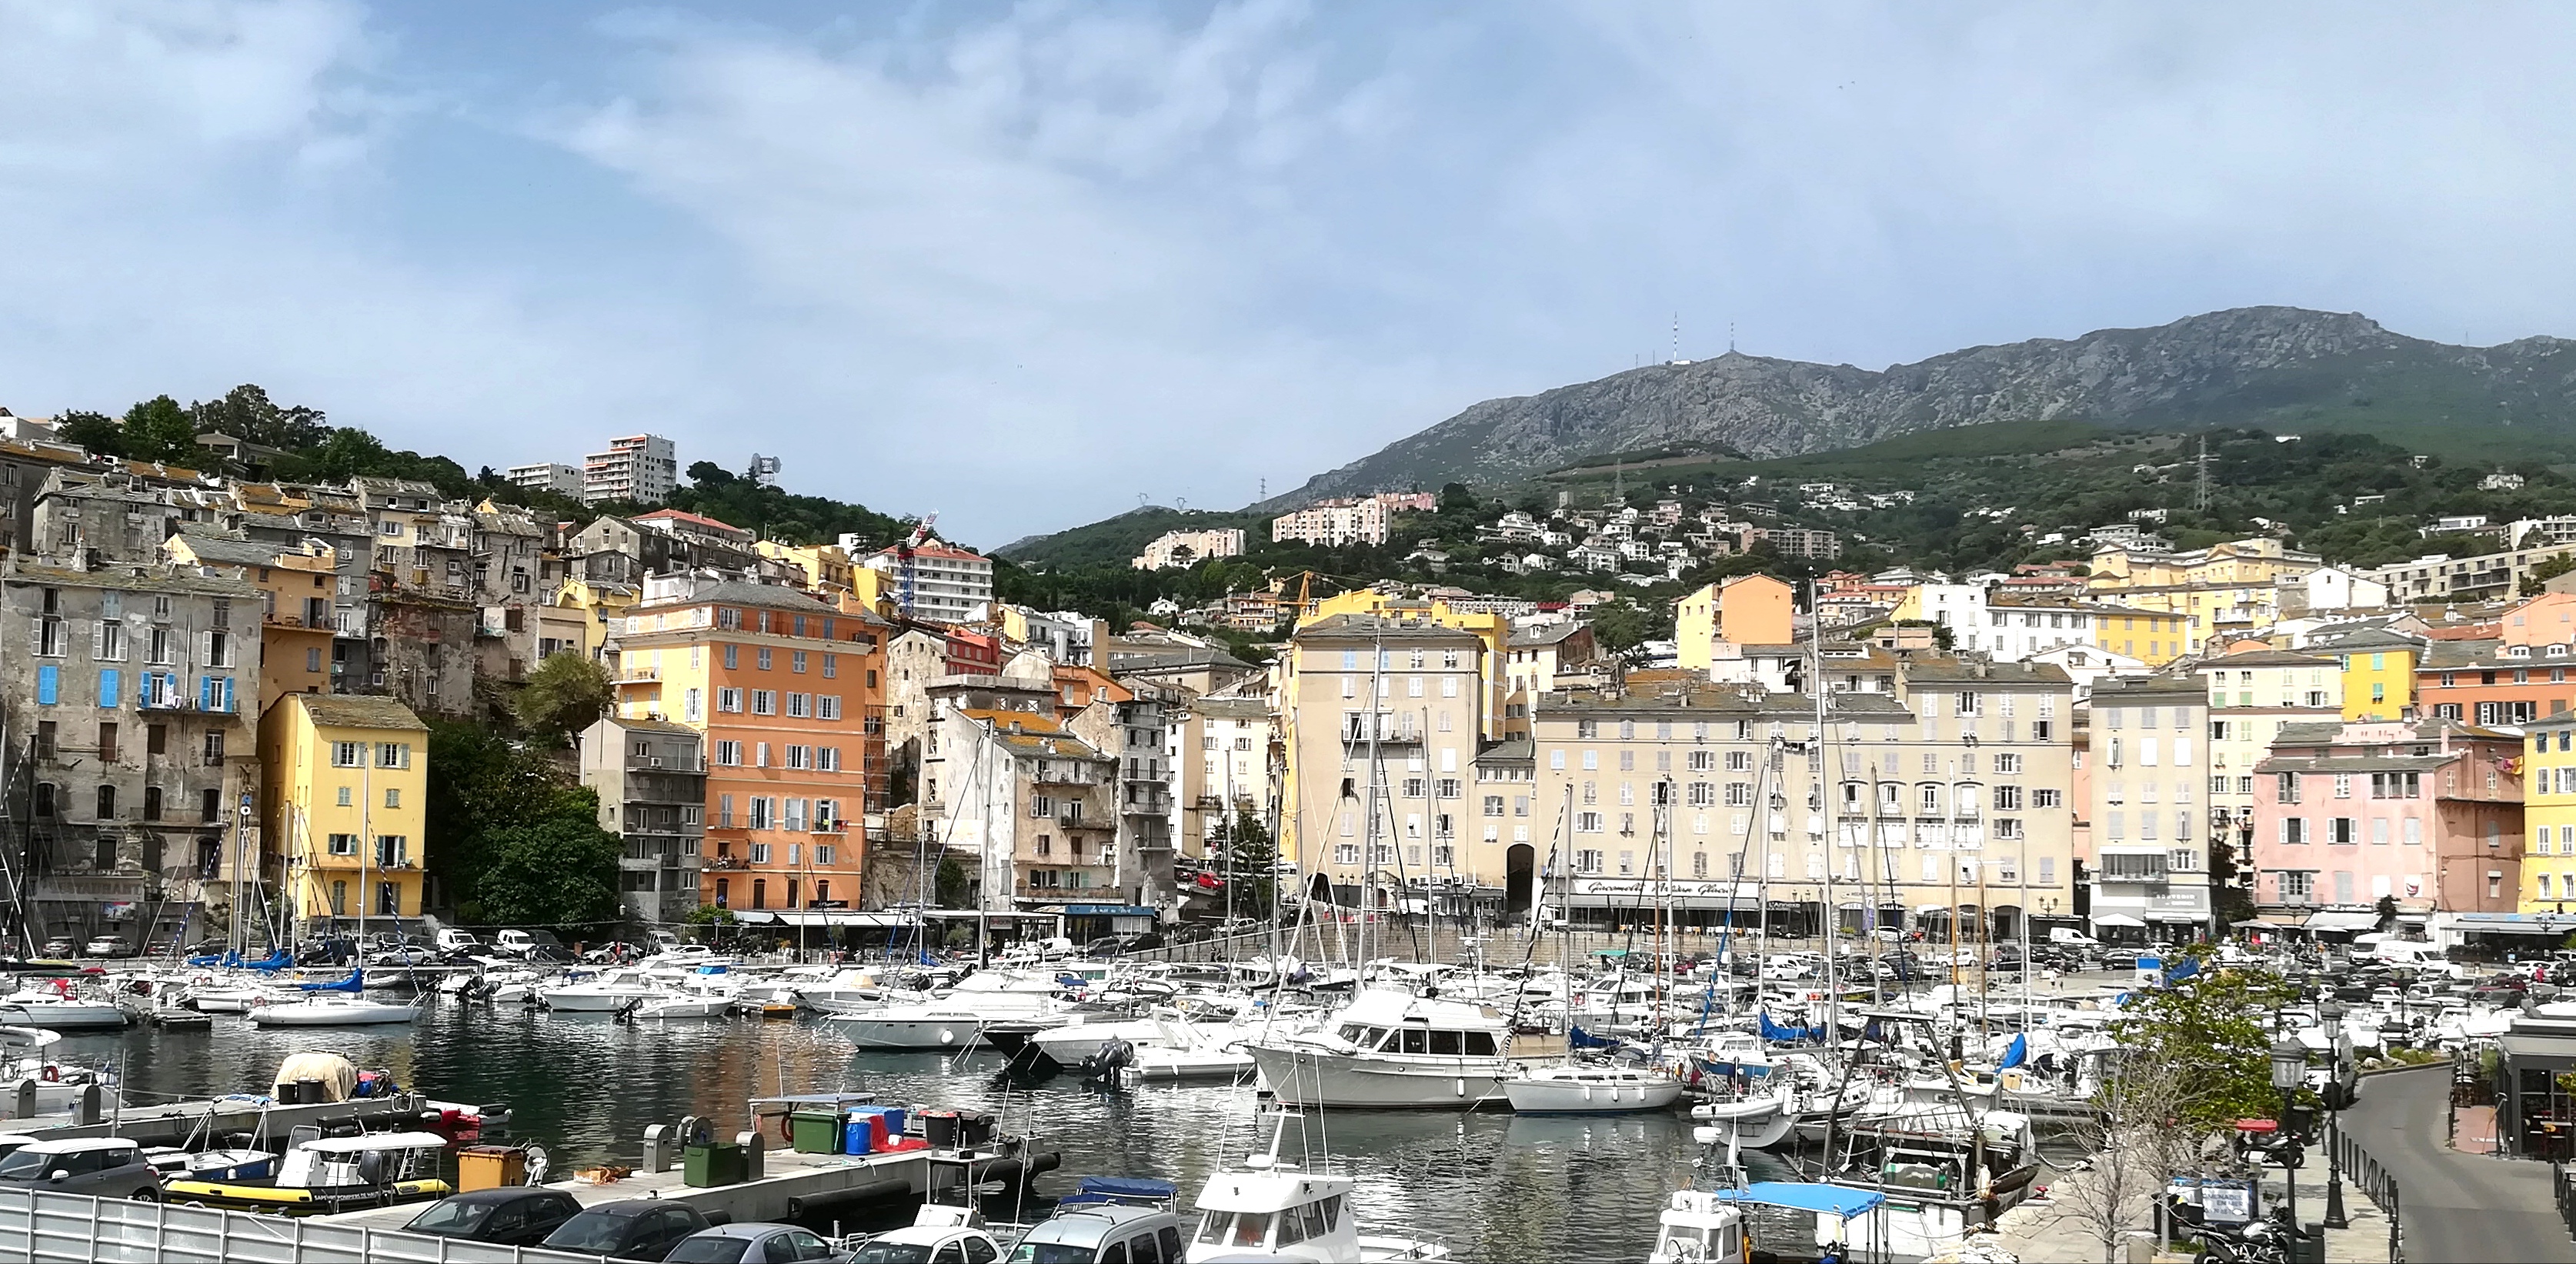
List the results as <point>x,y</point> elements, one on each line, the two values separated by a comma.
<point>2273,368</point>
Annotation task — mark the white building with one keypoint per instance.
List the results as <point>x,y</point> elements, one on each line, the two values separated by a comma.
<point>549,476</point>
<point>1333,523</point>
<point>1182,548</point>
<point>949,585</point>
<point>642,468</point>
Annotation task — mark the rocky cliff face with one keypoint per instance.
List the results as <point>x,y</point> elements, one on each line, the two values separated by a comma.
<point>2279,367</point>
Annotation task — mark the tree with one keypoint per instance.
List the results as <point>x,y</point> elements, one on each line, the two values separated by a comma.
<point>158,429</point>
<point>1252,858</point>
<point>1619,627</point>
<point>952,885</point>
<point>2387,911</point>
<point>566,694</point>
<point>2134,1151</point>
<point>2548,569</point>
<point>97,432</point>
<point>560,871</point>
<point>2206,1034</point>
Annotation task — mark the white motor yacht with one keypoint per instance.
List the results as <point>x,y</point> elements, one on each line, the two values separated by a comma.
<point>1591,1089</point>
<point>607,992</point>
<point>1757,1121</point>
<point>1698,1227</point>
<point>1390,1050</point>
<point>1273,1209</point>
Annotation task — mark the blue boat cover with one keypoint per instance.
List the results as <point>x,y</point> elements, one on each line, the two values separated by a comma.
<point>2015,1053</point>
<point>1806,1196</point>
<point>355,982</point>
<point>1127,1187</point>
<point>1774,1031</point>
<point>1578,1038</point>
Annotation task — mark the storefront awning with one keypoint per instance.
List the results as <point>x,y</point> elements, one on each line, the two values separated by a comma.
<point>849,917</point>
<point>2327,920</point>
<point>2116,919</point>
<point>1099,910</point>
<point>2510,928</point>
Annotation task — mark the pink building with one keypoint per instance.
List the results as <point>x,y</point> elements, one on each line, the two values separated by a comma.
<point>2429,812</point>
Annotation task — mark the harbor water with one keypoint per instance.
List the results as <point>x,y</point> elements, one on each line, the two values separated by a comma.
<point>1496,1187</point>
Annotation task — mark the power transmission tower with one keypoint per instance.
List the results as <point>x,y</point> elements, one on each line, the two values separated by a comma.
<point>2200,479</point>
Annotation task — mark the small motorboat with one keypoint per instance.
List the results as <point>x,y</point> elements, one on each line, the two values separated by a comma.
<point>1699,1227</point>
<point>1583,1088</point>
<point>331,1174</point>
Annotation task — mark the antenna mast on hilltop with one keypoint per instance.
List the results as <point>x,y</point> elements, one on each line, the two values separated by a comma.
<point>2200,478</point>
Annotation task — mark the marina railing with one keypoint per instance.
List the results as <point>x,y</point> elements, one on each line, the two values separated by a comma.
<point>43,1227</point>
<point>2562,1188</point>
<point>2375,1183</point>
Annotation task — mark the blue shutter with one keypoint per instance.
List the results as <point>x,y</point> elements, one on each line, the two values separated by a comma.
<point>228,694</point>
<point>107,688</point>
<point>49,682</point>
<point>205,693</point>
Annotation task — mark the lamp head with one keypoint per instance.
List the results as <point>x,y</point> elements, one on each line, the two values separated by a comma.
<point>2289,1063</point>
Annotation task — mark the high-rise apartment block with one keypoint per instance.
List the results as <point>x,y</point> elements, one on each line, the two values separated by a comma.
<point>642,468</point>
<point>550,476</point>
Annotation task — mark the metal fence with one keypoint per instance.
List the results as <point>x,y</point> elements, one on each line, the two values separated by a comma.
<point>42,1227</point>
<point>2376,1184</point>
<point>2562,1189</point>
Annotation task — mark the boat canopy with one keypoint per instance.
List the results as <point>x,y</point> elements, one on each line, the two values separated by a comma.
<point>1807,1196</point>
<point>1101,1189</point>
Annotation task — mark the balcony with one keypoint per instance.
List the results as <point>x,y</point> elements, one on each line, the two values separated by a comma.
<point>658,763</point>
<point>1154,803</point>
<point>639,676</point>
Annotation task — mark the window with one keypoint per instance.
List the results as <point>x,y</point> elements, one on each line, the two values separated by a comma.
<point>764,702</point>
<point>796,658</point>
<point>800,706</point>
<point>346,754</point>
<point>729,698</point>
<point>827,706</point>
<point>1587,823</point>
<point>729,754</point>
<point>2047,798</point>
<point>393,754</point>
<point>766,658</point>
<point>2342,831</point>
<point>344,844</point>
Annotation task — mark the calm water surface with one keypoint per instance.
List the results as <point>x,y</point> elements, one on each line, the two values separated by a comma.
<point>1496,1187</point>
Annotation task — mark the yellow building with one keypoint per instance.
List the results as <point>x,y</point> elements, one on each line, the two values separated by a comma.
<point>1740,610</point>
<point>1493,630</point>
<point>347,790</point>
<point>2549,816</point>
<point>2378,673</point>
<point>598,603</point>
<point>296,584</point>
<point>828,570</point>
<point>2153,637</point>
<point>2221,592</point>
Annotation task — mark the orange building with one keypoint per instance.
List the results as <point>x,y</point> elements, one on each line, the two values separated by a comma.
<point>2519,674</point>
<point>786,692</point>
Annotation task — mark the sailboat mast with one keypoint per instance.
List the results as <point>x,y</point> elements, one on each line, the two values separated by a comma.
<point>1376,787</point>
<point>1824,769</point>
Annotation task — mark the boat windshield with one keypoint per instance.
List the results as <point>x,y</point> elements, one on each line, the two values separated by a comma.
<point>1235,1228</point>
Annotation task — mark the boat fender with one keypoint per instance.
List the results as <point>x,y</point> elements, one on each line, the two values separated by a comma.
<point>52,1073</point>
<point>1462,1089</point>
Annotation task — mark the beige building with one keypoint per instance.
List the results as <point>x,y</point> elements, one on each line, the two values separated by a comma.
<point>1897,811</point>
<point>1222,753</point>
<point>1185,548</point>
<point>2252,694</point>
<point>2152,825</point>
<point>1380,723</point>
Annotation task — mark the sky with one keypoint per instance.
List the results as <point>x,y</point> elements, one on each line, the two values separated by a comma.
<point>1029,264</point>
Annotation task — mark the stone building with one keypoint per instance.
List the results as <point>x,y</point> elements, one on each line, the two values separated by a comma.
<point>651,776</point>
<point>127,696</point>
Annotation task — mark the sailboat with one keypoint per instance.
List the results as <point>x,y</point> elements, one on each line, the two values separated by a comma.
<point>337,1004</point>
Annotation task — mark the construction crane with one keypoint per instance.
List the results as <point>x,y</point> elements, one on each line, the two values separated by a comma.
<point>903,567</point>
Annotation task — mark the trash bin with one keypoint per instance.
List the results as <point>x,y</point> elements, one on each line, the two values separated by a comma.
<point>2308,1245</point>
<point>713,1163</point>
<point>490,1167</point>
<point>859,1133</point>
<point>814,1132</point>
<point>940,1128</point>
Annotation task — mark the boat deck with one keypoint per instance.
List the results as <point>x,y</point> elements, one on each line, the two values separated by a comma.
<point>790,1185</point>
<point>171,1122</point>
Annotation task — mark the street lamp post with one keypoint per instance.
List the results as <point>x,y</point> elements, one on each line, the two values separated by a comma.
<point>2330,1013</point>
<point>2289,1070</point>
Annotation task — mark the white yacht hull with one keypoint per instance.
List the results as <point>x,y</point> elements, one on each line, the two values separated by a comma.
<point>595,1001</point>
<point>685,1007</point>
<point>63,1015</point>
<point>911,1030</point>
<point>1312,1077</point>
<point>332,1014</point>
<point>1539,1096</point>
<point>1756,1123</point>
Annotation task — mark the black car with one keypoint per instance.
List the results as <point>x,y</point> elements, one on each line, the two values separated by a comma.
<point>515,1215</point>
<point>628,1229</point>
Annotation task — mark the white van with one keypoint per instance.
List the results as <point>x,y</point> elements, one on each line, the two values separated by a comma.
<point>2407,952</point>
<point>453,940</point>
<point>2071,937</point>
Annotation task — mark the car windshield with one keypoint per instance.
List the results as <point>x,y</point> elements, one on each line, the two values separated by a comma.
<point>22,1164</point>
<point>896,1253</point>
<point>710,1251</point>
<point>1053,1253</point>
<point>600,1231</point>
<point>452,1217</point>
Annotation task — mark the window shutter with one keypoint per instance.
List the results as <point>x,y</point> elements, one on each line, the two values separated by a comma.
<point>49,679</point>
<point>205,693</point>
<point>97,641</point>
<point>206,649</point>
<point>228,694</point>
<point>107,689</point>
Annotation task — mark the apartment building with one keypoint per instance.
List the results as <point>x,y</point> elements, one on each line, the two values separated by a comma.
<point>2518,676</point>
<point>1136,729</point>
<point>1359,520</point>
<point>1739,610</point>
<point>781,690</point>
<point>1006,783</point>
<point>1223,754</point>
<point>1381,727</point>
<point>2548,869</point>
<point>651,778</point>
<point>2253,695</point>
<point>2482,577</point>
<point>1943,809</point>
<point>2378,672</point>
<point>346,803</point>
<point>1181,549</point>
<point>643,469</point>
<point>296,622</point>
<point>550,476</point>
<point>2149,876</point>
<point>124,690</point>
<point>2424,812</point>
<point>949,585</point>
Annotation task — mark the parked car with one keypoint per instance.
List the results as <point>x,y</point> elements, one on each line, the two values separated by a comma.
<point>628,1229</point>
<point>928,1242</point>
<point>107,946</point>
<point>514,1215</point>
<point>108,1167</point>
<point>60,946</point>
<point>756,1242</point>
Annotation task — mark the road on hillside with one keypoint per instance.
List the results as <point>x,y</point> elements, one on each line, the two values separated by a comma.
<point>2454,1207</point>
